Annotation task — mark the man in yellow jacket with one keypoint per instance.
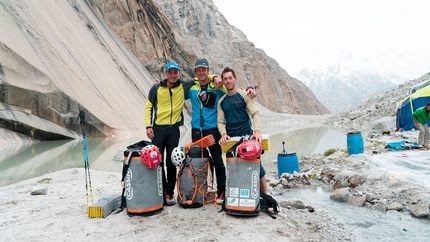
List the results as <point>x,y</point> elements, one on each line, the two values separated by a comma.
<point>163,116</point>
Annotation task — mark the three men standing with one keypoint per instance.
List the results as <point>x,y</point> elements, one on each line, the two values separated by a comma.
<point>164,115</point>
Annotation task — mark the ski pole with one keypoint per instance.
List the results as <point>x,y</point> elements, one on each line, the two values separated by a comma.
<point>86,162</point>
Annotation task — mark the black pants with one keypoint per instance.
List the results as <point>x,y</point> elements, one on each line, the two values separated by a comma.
<point>216,154</point>
<point>166,140</point>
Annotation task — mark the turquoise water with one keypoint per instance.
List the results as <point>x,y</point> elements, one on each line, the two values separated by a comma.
<point>21,162</point>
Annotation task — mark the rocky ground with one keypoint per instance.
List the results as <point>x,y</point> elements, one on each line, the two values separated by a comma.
<point>349,176</point>
<point>353,182</point>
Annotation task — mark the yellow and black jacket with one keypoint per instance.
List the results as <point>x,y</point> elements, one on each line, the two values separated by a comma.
<point>164,106</point>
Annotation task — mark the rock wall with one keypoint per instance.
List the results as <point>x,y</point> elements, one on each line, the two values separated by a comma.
<point>200,30</point>
<point>102,56</point>
<point>58,57</point>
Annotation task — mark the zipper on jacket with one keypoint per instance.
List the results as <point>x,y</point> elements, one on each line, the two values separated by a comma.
<point>171,107</point>
<point>201,120</point>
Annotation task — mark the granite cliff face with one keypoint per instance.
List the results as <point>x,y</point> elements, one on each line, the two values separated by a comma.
<point>102,56</point>
<point>197,29</point>
<point>56,58</point>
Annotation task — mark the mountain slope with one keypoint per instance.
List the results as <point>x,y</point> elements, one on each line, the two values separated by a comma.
<point>60,57</point>
<point>374,107</point>
<point>197,29</point>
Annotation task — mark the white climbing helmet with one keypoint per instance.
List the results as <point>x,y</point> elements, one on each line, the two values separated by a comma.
<point>178,156</point>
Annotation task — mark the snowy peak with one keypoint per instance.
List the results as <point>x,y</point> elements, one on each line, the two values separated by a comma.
<point>338,88</point>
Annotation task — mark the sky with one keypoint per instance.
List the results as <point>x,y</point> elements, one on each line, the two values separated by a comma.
<point>314,33</point>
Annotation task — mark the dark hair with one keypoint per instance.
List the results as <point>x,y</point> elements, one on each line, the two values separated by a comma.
<point>228,69</point>
<point>428,103</point>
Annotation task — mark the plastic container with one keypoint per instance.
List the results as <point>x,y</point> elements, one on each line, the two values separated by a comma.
<point>287,163</point>
<point>354,141</point>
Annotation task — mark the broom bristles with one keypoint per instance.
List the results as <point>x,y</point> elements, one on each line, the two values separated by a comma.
<point>104,206</point>
<point>204,142</point>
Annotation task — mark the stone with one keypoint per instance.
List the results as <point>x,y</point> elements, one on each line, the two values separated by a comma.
<point>340,195</point>
<point>337,185</point>
<point>354,115</point>
<point>380,206</point>
<point>39,190</point>
<point>356,200</point>
<point>395,206</point>
<point>279,187</point>
<point>297,204</point>
<point>355,181</point>
<point>420,210</point>
<point>384,123</point>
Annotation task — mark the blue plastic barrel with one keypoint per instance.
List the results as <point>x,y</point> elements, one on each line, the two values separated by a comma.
<point>354,141</point>
<point>287,163</point>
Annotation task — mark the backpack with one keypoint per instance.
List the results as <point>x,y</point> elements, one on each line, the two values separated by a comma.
<point>142,188</point>
<point>267,202</point>
<point>191,183</point>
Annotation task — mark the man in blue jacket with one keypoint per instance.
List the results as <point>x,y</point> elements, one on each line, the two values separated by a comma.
<point>204,96</point>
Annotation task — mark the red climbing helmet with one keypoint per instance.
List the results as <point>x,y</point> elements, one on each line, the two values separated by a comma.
<point>249,149</point>
<point>151,156</point>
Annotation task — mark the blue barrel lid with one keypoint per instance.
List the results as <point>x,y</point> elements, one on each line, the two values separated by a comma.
<point>287,154</point>
<point>354,132</point>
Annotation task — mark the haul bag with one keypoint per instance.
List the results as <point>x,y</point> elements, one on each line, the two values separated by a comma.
<point>143,187</point>
<point>242,187</point>
<point>191,182</point>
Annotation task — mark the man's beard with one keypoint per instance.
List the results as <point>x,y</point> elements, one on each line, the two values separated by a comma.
<point>173,83</point>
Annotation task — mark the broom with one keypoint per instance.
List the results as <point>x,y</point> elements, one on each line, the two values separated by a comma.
<point>104,206</point>
<point>204,142</point>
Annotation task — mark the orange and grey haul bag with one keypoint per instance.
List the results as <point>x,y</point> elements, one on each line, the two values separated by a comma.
<point>191,182</point>
<point>242,196</point>
<point>143,187</point>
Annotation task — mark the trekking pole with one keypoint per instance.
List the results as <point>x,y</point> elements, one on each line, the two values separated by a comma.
<point>86,163</point>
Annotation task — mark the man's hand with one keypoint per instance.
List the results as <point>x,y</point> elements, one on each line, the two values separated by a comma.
<point>416,123</point>
<point>150,133</point>
<point>251,93</point>
<point>224,139</point>
<point>257,136</point>
<point>217,82</point>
